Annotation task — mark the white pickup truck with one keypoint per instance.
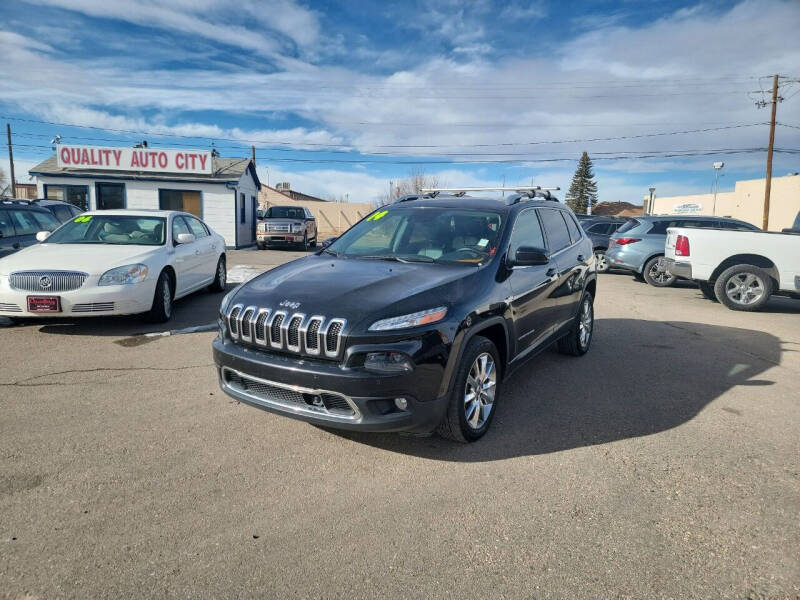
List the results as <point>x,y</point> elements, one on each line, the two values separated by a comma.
<point>741,269</point>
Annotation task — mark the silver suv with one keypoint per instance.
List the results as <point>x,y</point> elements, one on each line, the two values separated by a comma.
<point>638,246</point>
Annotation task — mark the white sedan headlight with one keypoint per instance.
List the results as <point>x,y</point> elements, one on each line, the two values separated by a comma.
<point>416,319</point>
<point>123,275</point>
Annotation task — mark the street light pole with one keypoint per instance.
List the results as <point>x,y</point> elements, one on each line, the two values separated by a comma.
<point>650,204</point>
<point>717,167</point>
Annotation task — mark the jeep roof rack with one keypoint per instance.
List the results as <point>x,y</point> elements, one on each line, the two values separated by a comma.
<point>520,193</point>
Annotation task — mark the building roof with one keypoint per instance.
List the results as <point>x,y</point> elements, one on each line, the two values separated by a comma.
<point>294,195</point>
<point>224,170</point>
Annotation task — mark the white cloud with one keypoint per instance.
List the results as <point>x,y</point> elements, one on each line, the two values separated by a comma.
<point>210,19</point>
<point>459,100</point>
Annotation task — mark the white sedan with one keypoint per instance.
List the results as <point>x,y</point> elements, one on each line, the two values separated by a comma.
<point>113,262</point>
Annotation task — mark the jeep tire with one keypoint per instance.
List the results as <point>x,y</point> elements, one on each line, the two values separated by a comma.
<point>579,338</point>
<point>476,390</point>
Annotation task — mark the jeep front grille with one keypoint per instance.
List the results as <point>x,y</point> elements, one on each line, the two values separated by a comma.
<point>288,397</point>
<point>316,335</point>
<point>47,281</point>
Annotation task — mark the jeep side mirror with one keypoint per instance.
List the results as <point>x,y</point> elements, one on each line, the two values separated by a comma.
<point>42,236</point>
<point>328,241</point>
<point>529,255</point>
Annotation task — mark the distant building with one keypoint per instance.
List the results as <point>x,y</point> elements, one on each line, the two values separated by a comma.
<point>221,191</point>
<point>745,202</point>
<point>268,196</point>
<point>25,190</point>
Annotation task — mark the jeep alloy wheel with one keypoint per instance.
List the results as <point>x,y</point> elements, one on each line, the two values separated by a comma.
<point>479,391</point>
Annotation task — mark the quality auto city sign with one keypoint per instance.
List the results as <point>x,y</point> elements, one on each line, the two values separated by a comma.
<point>147,160</point>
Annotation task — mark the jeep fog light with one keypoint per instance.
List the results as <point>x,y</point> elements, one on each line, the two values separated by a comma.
<point>401,403</point>
<point>388,362</point>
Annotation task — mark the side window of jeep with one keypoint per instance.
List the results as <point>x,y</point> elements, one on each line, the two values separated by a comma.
<point>527,232</point>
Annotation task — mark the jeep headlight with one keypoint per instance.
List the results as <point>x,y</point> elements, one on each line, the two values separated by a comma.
<point>124,275</point>
<point>416,319</point>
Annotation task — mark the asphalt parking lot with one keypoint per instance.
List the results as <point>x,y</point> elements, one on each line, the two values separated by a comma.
<point>662,464</point>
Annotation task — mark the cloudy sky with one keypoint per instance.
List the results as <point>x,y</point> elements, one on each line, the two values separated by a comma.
<point>341,97</point>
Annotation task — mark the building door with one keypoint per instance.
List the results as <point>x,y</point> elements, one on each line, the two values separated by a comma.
<point>186,200</point>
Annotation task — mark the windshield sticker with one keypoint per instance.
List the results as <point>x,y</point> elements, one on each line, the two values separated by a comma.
<point>483,242</point>
<point>83,219</point>
<point>378,215</point>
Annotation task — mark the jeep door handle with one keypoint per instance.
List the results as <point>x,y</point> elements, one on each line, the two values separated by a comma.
<point>552,272</point>
<point>581,258</point>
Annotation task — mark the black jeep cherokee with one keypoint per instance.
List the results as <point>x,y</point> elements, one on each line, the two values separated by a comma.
<point>412,318</point>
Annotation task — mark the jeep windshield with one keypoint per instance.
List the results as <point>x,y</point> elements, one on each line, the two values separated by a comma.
<point>111,229</point>
<point>422,234</point>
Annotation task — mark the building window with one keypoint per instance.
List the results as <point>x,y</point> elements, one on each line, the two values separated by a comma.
<point>110,196</point>
<point>185,200</point>
<point>242,209</point>
<point>77,195</point>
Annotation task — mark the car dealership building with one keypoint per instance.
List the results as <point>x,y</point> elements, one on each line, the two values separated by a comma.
<point>221,191</point>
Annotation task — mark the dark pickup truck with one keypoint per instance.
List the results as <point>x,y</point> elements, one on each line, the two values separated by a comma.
<point>411,320</point>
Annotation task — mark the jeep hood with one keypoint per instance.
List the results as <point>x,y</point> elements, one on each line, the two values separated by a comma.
<point>355,289</point>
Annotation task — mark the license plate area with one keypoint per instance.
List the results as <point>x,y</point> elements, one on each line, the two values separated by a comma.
<point>44,304</point>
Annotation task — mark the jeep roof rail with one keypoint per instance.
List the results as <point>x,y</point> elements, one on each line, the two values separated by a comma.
<point>410,197</point>
<point>520,193</point>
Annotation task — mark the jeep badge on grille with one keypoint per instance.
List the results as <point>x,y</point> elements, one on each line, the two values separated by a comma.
<point>290,304</point>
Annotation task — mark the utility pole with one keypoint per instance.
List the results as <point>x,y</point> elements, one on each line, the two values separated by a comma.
<point>11,162</point>
<point>765,221</point>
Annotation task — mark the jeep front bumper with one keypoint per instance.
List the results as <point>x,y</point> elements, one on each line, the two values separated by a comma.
<point>323,393</point>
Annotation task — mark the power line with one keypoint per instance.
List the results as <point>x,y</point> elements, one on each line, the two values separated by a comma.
<point>402,146</point>
<point>519,154</point>
<point>617,156</point>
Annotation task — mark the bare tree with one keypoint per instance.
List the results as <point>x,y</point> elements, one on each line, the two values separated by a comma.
<point>416,181</point>
<point>5,186</point>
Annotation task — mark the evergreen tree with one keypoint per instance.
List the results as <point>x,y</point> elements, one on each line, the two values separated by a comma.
<point>583,189</point>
